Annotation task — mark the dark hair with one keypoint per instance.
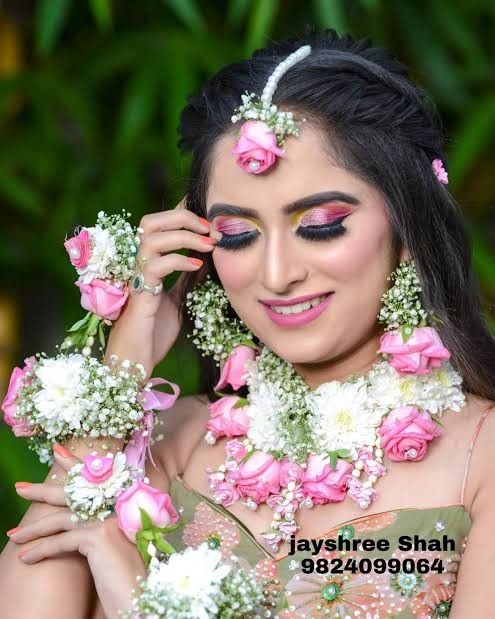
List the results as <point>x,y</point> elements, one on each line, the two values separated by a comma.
<point>385,130</point>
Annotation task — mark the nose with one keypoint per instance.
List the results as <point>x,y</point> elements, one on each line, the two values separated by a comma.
<point>283,268</point>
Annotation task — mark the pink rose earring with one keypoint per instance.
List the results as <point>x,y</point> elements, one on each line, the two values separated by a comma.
<point>263,135</point>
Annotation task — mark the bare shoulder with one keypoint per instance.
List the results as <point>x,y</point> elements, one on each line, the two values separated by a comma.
<point>475,426</point>
<point>178,430</point>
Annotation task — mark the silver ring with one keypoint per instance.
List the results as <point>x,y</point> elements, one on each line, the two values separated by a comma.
<point>138,285</point>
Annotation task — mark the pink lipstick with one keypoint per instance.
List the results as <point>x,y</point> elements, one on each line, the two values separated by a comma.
<point>300,318</point>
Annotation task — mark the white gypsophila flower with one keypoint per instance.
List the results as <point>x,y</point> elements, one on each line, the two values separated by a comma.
<point>61,399</point>
<point>441,390</point>
<point>87,498</point>
<point>390,390</point>
<point>192,577</point>
<point>101,255</point>
<point>343,418</point>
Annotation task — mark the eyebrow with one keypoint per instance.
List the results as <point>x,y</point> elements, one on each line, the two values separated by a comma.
<point>316,199</point>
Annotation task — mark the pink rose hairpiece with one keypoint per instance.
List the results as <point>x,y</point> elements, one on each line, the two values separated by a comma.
<point>439,171</point>
<point>263,134</point>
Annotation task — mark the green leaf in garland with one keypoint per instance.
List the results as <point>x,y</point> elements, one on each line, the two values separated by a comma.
<point>163,545</point>
<point>406,331</point>
<point>101,334</point>
<point>335,455</point>
<point>142,545</point>
<point>241,402</point>
<point>146,521</point>
<point>436,419</point>
<point>80,323</point>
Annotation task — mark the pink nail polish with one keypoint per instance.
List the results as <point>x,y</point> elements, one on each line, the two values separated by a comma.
<point>62,451</point>
<point>23,552</point>
<point>14,530</point>
<point>22,484</point>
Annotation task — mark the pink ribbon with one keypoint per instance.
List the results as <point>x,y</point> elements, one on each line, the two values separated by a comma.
<point>151,400</point>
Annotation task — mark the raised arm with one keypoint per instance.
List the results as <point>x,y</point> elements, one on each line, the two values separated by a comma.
<point>145,332</point>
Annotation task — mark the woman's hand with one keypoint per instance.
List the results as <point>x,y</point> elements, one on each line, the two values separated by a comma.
<point>149,324</point>
<point>113,560</point>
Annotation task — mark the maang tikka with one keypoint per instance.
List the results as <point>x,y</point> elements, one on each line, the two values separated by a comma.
<point>262,136</point>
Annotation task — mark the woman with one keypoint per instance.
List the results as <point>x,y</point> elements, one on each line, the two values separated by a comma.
<point>302,242</point>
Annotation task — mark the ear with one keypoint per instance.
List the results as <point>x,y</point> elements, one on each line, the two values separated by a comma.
<point>404,254</point>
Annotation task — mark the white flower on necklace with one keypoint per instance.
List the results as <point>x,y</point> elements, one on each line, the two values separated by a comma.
<point>389,390</point>
<point>264,405</point>
<point>441,390</point>
<point>343,417</point>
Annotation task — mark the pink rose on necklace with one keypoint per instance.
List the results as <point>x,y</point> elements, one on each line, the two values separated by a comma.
<point>234,368</point>
<point>235,449</point>
<point>321,483</point>
<point>225,419</point>
<point>257,477</point>
<point>79,248</point>
<point>422,351</point>
<point>256,149</point>
<point>405,433</point>
<point>102,298</point>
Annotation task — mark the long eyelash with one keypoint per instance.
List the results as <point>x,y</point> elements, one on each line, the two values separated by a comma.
<point>314,233</point>
<point>237,241</point>
<point>322,232</point>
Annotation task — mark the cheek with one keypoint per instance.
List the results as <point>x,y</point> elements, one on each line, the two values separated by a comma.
<point>235,270</point>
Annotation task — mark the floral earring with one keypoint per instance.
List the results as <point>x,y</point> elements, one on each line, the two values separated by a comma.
<point>414,346</point>
<point>214,333</point>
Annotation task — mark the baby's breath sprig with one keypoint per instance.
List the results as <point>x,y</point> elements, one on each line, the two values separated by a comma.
<point>71,396</point>
<point>281,123</point>
<point>123,234</point>
<point>294,417</point>
<point>214,333</point>
<point>402,307</point>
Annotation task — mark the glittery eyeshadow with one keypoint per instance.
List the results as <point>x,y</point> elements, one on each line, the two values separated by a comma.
<point>229,225</point>
<point>321,216</point>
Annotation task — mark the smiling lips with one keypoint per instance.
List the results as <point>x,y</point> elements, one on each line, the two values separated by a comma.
<point>298,311</point>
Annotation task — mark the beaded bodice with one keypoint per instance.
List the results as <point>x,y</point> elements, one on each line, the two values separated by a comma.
<point>342,583</point>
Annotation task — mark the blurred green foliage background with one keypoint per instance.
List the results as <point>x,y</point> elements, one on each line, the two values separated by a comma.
<point>90,96</point>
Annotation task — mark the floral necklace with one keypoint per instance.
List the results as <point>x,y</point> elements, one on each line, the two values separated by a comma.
<point>304,448</point>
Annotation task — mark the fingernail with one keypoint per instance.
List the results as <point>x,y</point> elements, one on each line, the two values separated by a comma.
<point>208,239</point>
<point>22,484</point>
<point>204,221</point>
<point>14,530</point>
<point>61,451</point>
<point>23,552</point>
<point>196,261</point>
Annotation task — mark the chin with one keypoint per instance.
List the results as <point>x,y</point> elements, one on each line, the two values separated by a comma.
<point>300,348</point>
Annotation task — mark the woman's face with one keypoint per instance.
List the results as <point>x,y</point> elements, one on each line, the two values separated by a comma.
<point>305,228</point>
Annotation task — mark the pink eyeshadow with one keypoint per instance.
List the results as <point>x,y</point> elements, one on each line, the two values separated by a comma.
<point>320,216</point>
<point>232,226</point>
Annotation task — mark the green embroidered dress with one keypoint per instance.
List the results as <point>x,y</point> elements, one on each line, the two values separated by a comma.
<point>417,588</point>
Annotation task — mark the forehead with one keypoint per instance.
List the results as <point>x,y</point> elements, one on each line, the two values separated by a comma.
<point>306,169</point>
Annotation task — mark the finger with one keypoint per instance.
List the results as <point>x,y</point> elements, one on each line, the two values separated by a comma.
<point>48,525</point>
<point>173,220</point>
<point>56,545</point>
<point>63,457</point>
<point>44,493</point>
<point>158,268</point>
<point>159,243</point>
